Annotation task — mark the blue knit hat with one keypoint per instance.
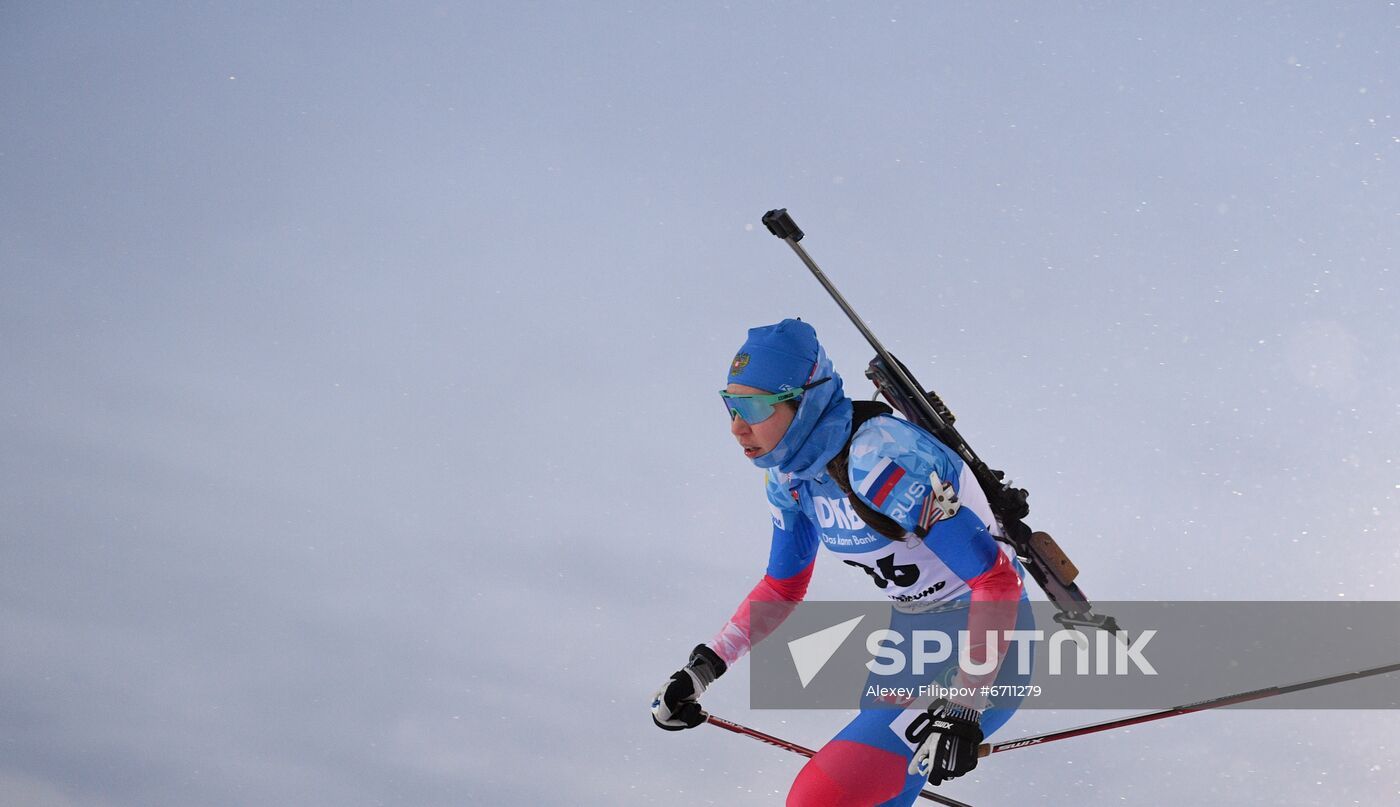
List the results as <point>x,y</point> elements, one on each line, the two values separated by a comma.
<point>776,357</point>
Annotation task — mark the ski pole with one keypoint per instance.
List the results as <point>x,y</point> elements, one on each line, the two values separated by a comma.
<point>729,725</point>
<point>1200,706</point>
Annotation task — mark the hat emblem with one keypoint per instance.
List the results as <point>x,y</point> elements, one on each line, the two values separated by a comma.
<point>740,362</point>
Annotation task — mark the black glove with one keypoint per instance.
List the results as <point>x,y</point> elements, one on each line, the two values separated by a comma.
<point>948,741</point>
<point>675,705</point>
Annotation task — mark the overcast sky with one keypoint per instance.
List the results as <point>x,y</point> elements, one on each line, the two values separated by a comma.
<point>358,432</point>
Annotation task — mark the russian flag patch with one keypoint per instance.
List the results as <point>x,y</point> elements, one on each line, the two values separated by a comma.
<point>881,481</point>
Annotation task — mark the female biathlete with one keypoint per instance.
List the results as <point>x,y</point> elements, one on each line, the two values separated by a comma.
<point>891,500</point>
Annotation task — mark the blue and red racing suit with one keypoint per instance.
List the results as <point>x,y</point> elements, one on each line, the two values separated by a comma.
<point>900,471</point>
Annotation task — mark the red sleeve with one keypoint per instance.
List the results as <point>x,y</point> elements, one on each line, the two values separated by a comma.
<point>996,598</point>
<point>739,634</point>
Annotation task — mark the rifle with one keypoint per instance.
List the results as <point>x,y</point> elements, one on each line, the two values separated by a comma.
<point>1037,551</point>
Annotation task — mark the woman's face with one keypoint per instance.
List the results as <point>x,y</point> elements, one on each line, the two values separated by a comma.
<point>759,438</point>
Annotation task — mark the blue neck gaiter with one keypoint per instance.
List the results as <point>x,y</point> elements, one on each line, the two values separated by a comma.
<point>818,433</point>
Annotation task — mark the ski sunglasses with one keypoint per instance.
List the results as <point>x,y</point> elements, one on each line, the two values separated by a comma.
<point>759,407</point>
